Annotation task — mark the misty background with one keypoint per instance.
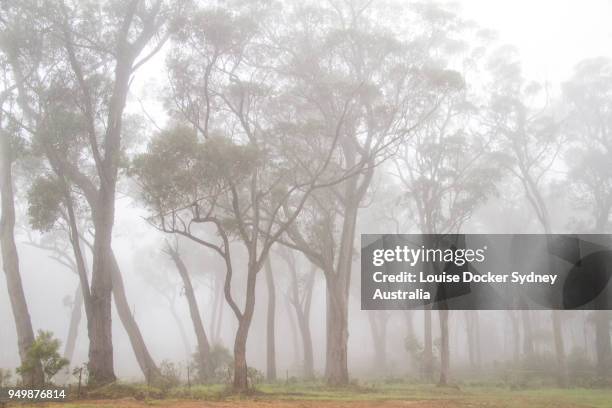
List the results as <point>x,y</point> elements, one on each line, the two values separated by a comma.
<point>550,39</point>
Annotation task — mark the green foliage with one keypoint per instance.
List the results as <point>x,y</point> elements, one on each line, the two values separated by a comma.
<point>178,169</point>
<point>255,376</point>
<point>45,198</point>
<point>219,367</point>
<point>220,360</point>
<point>44,350</point>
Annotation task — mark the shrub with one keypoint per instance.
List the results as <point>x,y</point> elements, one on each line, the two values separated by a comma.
<point>44,351</point>
<point>220,365</point>
<point>170,375</point>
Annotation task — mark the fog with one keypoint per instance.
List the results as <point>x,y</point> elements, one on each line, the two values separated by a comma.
<point>550,37</point>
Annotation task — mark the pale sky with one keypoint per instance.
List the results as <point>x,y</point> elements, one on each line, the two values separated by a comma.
<point>551,35</point>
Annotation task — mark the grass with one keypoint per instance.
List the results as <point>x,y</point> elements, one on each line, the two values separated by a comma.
<point>377,393</point>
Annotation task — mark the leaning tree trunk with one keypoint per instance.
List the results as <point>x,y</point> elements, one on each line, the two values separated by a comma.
<point>196,318</point>
<point>10,259</point>
<point>145,361</point>
<point>270,324</point>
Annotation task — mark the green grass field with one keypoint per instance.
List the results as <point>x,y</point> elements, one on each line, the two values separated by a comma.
<point>367,395</point>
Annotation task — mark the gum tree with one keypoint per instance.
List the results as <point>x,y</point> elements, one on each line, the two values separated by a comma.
<point>74,106</point>
<point>243,166</point>
<point>13,40</point>
<point>519,113</point>
<point>588,94</point>
<point>342,47</point>
<point>447,170</point>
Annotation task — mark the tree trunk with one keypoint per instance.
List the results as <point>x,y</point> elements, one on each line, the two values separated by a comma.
<point>428,365</point>
<point>10,259</point>
<point>75,321</point>
<point>559,349</point>
<point>220,310</point>
<point>217,310</point>
<point>297,352</point>
<point>444,345</point>
<point>337,335</point>
<point>101,360</point>
<point>145,361</point>
<point>304,324</point>
<point>409,323</point>
<point>477,338</point>
<point>528,348</point>
<point>338,284</point>
<point>241,379</point>
<point>603,346</point>
<point>516,335</point>
<point>378,328</point>
<point>270,324</point>
<point>469,333</point>
<point>194,312</point>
